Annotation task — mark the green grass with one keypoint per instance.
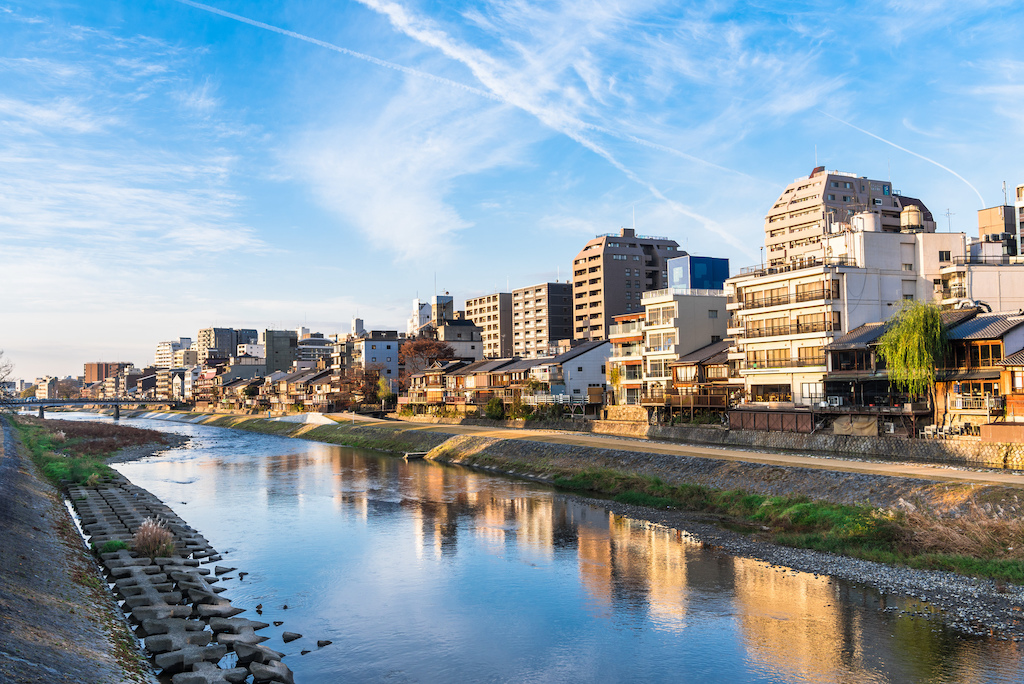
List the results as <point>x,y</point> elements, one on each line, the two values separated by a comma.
<point>856,531</point>
<point>78,469</point>
<point>113,545</point>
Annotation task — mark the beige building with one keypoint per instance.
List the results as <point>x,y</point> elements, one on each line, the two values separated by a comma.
<point>813,206</point>
<point>493,314</point>
<point>185,358</point>
<point>540,317</point>
<point>610,275</point>
<point>165,351</point>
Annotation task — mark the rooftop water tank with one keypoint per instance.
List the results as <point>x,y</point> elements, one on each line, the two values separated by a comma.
<point>867,221</point>
<point>912,218</point>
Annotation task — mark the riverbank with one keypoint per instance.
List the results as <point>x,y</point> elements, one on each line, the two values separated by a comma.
<point>973,606</point>
<point>60,624</point>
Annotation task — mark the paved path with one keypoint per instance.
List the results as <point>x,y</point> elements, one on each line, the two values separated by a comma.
<point>916,470</point>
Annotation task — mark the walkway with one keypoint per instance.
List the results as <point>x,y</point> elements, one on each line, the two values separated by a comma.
<point>922,471</point>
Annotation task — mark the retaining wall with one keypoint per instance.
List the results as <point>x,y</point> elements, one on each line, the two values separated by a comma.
<point>969,452</point>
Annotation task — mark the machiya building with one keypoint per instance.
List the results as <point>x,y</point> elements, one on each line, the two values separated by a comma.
<point>782,317</point>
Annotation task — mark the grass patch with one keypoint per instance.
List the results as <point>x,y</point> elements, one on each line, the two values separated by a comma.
<point>77,451</point>
<point>112,546</point>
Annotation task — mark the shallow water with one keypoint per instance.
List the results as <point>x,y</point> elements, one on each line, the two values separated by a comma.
<point>420,572</point>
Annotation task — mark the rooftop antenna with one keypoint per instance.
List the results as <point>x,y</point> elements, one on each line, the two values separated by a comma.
<point>815,156</point>
<point>949,220</point>
<point>1004,194</point>
<point>634,217</point>
<point>888,169</point>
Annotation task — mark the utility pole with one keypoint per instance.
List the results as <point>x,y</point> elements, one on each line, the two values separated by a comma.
<point>949,219</point>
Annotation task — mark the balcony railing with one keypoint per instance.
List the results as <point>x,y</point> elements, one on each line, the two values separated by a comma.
<point>664,292</point>
<point>994,260</point>
<point>762,302</point>
<point>812,295</point>
<point>783,363</point>
<point>810,262</point>
<point>968,403</point>
<point>791,329</point>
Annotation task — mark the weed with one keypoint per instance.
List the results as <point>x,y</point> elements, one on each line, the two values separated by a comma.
<point>152,539</point>
<point>113,545</point>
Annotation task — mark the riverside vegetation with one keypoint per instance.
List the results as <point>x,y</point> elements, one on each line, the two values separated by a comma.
<point>973,543</point>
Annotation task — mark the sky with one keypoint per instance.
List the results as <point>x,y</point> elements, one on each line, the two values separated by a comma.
<point>170,165</point>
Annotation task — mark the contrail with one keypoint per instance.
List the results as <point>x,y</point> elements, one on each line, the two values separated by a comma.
<point>455,84</point>
<point>344,51</point>
<point>904,149</point>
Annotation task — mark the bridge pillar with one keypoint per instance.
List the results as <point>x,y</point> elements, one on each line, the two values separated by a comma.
<point>117,412</point>
<point>41,412</point>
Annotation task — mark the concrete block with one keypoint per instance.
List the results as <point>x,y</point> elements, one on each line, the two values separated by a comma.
<point>183,659</point>
<point>274,671</point>
<point>208,673</point>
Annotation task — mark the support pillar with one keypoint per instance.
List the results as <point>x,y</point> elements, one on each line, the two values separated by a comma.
<point>117,412</point>
<point>42,412</point>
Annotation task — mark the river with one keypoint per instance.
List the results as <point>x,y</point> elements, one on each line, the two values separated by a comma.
<point>422,572</point>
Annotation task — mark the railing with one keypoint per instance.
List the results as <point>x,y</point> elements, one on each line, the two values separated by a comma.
<point>664,292</point>
<point>784,363</point>
<point>811,295</point>
<point>956,291</point>
<point>563,399</point>
<point>968,403</point>
<point>761,302</point>
<point>624,328</point>
<point>638,237</point>
<point>762,270</point>
<point>994,260</point>
<point>791,329</point>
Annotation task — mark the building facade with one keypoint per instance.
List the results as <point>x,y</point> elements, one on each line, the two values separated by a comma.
<point>493,314</point>
<point>165,351</point>
<point>541,315</point>
<point>611,273</point>
<point>809,208</point>
<point>280,348</point>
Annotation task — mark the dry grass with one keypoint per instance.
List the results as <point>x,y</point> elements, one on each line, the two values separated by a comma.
<point>974,534</point>
<point>86,438</point>
<point>152,539</point>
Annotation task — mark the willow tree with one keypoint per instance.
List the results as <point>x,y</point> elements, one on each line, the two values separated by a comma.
<point>911,347</point>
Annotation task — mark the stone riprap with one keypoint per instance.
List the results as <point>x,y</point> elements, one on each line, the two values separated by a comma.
<point>173,602</point>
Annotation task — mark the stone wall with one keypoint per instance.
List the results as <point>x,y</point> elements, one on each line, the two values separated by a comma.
<point>963,451</point>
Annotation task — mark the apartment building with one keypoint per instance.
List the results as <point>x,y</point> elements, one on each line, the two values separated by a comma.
<point>184,358</point>
<point>493,314</point>
<point>782,317</point>
<point>611,273</point>
<point>280,348</point>
<point>218,343</point>
<point>377,350</point>
<point>1019,209</point>
<point>97,371</point>
<point>165,351</point>
<point>541,315</point>
<point>812,206</point>
<point>626,365</point>
<point>677,321</point>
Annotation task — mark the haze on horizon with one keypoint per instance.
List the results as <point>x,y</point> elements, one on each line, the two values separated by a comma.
<point>170,165</point>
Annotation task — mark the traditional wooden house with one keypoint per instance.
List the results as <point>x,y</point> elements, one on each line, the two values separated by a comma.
<point>701,380</point>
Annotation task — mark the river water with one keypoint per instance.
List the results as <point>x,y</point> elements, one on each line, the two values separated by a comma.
<point>421,572</point>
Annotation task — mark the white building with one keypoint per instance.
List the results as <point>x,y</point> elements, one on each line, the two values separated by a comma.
<point>165,351</point>
<point>783,316</point>
<point>579,373</point>
<point>258,351</point>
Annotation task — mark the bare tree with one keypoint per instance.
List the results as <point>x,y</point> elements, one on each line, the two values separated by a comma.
<point>6,369</point>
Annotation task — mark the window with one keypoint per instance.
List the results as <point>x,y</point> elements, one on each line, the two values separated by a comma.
<point>374,359</point>
<point>636,257</point>
<point>389,346</point>
<point>619,257</point>
<point>389,359</point>
<point>908,267</point>
<point>944,255</point>
<point>579,368</point>
<point>716,338</point>
<point>373,346</point>
<point>712,313</point>
<point>878,202</point>
<point>832,197</point>
<point>908,297</point>
<point>576,391</point>
<point>388,371</point>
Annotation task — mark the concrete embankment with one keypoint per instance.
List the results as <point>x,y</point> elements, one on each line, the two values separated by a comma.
<point>186,626</point>
<point>543,456</point>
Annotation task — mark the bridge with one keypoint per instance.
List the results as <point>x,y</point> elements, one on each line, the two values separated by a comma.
<point>43,404</point>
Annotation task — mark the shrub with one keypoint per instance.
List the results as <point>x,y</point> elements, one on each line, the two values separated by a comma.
<point>112,546</point>
<point>153,539</point>
<point>495,409</point>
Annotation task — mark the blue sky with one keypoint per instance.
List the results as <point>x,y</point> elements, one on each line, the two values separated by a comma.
<point>167,167</point>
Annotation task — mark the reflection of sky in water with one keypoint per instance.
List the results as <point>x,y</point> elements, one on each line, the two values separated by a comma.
<point>421,572</point>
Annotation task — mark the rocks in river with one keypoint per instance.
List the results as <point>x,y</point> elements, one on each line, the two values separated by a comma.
<point>290,636</point>
<point>274,671</point>
<point>278,623</point>
<point>256,653</point>
<point>220,570</point>
<point>208,673</point>
<point>304,652</point>
<point>323,642</point>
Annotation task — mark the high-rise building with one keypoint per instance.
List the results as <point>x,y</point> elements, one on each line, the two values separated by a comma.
<point>1019,206</point>
<point>541,314</point>
<point>813,206</point>
<point>217,343</point>
<point>999,224</point>
<point>692,272</point>
<point>610,275</point>
<point>493,314</point>
<point>281,347</point>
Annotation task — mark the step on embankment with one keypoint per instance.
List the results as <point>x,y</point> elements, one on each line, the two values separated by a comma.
<point>173,603</point>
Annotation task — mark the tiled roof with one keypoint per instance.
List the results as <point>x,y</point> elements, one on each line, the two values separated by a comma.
<point>986,326</point>
<point>577,350</point>
<point>704,353</point>
<point>1014,359</point>
<point>858,338</point>
<point>525,364</point>
<point>953,317</point>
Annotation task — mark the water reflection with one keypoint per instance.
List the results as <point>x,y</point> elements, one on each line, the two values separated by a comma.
<point>433,573</point>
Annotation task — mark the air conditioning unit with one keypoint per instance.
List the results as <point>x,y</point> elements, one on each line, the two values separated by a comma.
<point>890,428</point>
<point>835,401</point>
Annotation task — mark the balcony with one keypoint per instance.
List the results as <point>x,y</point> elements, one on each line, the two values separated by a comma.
<point>671,291</point>
<point>792,329</point>
<point>762,302</point>
<point>624,328</point>
<point>695,400</point>
<point>783,363</point>
<point>812,295</point>
<point>963,402</point>
<point>812,262</point>
<point>995,260</point>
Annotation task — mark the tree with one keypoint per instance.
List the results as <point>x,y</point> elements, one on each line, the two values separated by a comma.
<point>417,355</point>
<point>384,392</point>
<point>68,389</point>
<point>911,345</point>
<point>6,368</point>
